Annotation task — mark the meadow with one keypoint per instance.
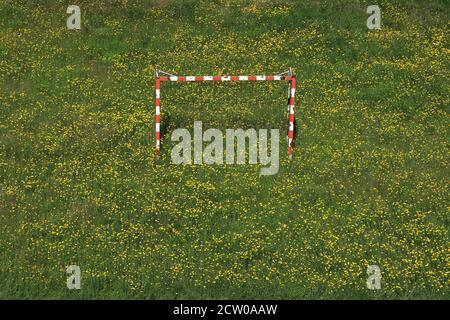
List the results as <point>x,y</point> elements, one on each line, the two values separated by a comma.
<point>80,185</point>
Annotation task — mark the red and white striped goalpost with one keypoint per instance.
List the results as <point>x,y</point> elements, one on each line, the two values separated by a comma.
<point>285,76</point>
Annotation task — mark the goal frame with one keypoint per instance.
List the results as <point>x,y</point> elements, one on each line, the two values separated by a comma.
<point>162,76</point>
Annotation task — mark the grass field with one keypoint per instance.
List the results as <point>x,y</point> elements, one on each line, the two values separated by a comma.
<point>368,184</point>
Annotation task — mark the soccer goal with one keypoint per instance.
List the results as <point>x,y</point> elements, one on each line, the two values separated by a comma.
<point>162,76</point>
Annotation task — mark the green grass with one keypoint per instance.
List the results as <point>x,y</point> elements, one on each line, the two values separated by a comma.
<point>80,184</point>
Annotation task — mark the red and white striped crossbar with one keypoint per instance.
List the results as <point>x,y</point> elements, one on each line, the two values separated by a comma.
<point>291,97</point>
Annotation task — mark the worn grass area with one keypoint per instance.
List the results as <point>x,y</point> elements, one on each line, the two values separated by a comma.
<point>368,183</point>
